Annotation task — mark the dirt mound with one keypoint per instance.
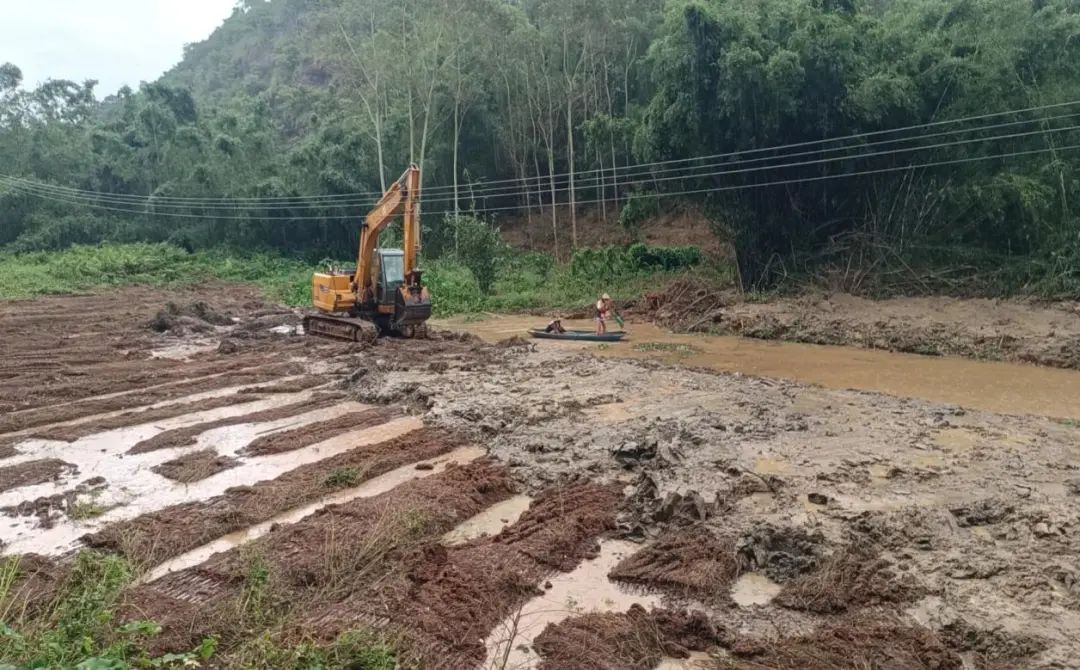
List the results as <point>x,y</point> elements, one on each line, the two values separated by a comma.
<point>782,553</point>
<point>182,319</point>
<point>153,538</point>
<point>188,435</point>
<point>195,466</point>
<point>692,563</point>
<point>850,578</point>
<point>855,644</point>
<point>632,640</point>
<point>34,472</point>
<point>297,438</point>
<point>445,601</point>
<point>992,645</point>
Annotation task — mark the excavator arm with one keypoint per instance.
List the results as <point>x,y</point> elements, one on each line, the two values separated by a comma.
<point>400,198</point>
<point>385,293</point>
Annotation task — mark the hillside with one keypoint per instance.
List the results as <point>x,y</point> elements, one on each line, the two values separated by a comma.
<point>918,143</point>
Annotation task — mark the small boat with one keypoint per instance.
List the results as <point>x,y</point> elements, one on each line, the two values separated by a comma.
<point>579,335</point>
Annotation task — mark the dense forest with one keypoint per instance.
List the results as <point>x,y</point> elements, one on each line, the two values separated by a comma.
<point>920,144</point>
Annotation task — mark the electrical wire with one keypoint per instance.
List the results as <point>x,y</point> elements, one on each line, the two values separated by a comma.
<point>372,197</point>
<point>715,189</point>
<point>107,199</point>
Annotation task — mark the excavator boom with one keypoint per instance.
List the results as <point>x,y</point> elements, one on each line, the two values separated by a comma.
<point>384,293</point>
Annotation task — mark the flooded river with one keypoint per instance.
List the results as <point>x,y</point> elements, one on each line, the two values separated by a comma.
<point>1007,388</point>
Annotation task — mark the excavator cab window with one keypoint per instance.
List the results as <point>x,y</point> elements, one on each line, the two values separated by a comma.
<point>392,276</point>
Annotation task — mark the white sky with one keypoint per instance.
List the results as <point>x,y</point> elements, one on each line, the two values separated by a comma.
<point>117,42</point>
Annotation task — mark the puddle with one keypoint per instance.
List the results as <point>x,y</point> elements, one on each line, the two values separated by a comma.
<point>184,352</point>
<point>134,489</point>
<point>368,489</point>
<point>1006,388</point>
<point>772,466</point>
<point>754,589</point>
<point>696,661</point>
<point>586,589</point>
<point>956,439</point>
<point>489,522</point>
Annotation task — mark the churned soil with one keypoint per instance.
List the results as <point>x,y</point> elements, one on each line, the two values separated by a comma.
<point>298,438</point>
<point>850,578</point>
<point>71,433</point>
<point>321,559</point>
<point>853,644</point>
<point>34,418</point>
<point>444,601</point>
<point>688,564</point>
<point>34,472</point>
<point>195,466</point>
<point>631,640</point>
<point>291,385</point>
<point>155,537</point>
<point>188,435</point>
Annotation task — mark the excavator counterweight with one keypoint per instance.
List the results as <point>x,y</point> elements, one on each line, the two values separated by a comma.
<point>384,293</point>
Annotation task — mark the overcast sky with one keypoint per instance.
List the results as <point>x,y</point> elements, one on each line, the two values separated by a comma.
<point>117,42</point>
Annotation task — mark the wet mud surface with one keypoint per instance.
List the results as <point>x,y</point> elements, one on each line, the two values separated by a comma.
<point>529,505</point>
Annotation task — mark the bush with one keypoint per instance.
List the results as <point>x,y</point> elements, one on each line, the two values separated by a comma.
<point>639,207</point>
<point>609,262</point>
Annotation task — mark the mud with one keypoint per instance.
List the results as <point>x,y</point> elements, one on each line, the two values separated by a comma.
<point>445,600</point>
<point>693,564</point>
<point>297,438</point>
<point>1003,330</point>
<point>188,435</point>
<point>151,539</point>
<point>195,466</point>
<point>318,561</point>
<point>631,640</point>
<point>849,645</point>
<point>71,433</point>
<point>33,418</point>
<point>292,385</point>
<point>33,472</point>
<point>791,475</point>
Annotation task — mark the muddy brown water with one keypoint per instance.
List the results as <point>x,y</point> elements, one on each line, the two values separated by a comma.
<point>1007,388</point>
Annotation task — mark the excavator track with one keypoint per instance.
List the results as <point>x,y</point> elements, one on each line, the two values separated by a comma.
<point>341,328</point>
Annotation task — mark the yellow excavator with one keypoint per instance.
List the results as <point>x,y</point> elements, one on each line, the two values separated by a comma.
<point>384,293</point>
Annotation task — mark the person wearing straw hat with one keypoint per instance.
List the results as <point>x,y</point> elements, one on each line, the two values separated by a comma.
<point>604,309</point>
<point>555,325</point>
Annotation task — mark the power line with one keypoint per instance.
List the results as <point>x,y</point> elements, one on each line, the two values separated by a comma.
<point>372,197</point>
<point>716,189</point>
<point>92,200</point>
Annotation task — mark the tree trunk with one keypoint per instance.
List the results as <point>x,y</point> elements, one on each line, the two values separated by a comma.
<point>570,156</point>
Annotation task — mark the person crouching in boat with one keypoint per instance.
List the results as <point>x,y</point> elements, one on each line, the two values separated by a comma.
<point>555,326</point>
<point>603,313</point>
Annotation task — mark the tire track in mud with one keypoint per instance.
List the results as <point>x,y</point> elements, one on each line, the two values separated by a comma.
<point>188,435</point>
<point>71,433</point>
<point>152,538</point>
<point>298,438</point>
<point>325,556</point>
<point>34,418</point>
<point>442,602</point>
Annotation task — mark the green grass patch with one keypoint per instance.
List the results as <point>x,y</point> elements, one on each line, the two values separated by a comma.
<point>80,628</point>
<point>341,478</point>
<point>86,267</point>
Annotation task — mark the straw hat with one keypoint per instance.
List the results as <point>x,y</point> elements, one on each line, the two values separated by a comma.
<point>605,297</point>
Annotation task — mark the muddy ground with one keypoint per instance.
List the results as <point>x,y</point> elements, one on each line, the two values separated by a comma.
<point>1002,330</point>
<point>521,505</point>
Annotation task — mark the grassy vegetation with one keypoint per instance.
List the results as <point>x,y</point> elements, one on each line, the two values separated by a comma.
<point>516,282</point>
<point>667,347</point>
<point>85,267</point>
